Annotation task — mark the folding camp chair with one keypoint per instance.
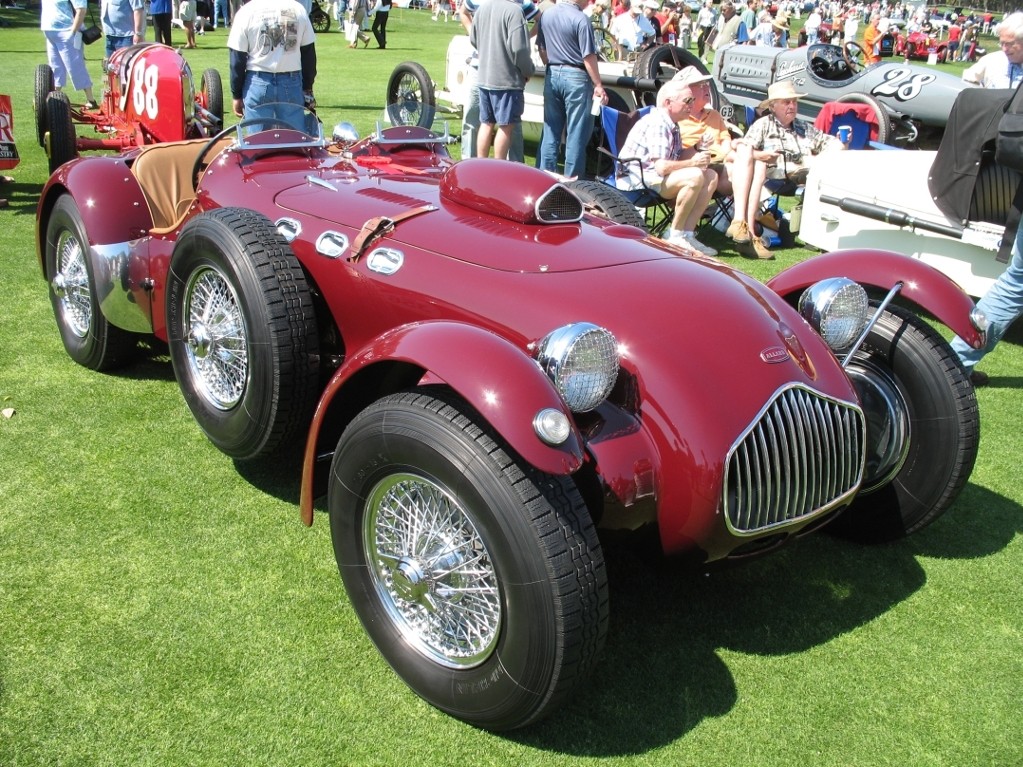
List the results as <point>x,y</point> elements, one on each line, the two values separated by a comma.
<point>616,126</point>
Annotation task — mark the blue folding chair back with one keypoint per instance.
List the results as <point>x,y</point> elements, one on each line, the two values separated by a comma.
<point>616,126</point>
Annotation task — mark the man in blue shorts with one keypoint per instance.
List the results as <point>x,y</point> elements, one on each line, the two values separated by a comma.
<point>500,35</point>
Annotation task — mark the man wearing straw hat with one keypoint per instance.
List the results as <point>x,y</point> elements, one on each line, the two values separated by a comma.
<point>776,147</point>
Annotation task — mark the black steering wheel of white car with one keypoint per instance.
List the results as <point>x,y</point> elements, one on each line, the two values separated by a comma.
<point>854,55</point>
<point>242,333</point>
<point>923,429</point>
<point>480,580</point>
<point>200,161</point>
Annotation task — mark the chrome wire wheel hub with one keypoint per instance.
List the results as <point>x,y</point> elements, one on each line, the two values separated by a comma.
<point>432,571</point>
<point>71,285</point>
<point>215,338</point>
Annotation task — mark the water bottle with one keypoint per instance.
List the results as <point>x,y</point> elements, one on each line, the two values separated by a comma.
<point>671,38</point>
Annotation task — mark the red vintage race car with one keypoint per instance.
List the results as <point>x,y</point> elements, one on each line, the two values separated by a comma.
<point>920,45</point>
<point>149,96</point>
<point>481,375</point>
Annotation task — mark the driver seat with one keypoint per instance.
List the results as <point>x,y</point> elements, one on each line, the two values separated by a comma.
<point>164,172</point>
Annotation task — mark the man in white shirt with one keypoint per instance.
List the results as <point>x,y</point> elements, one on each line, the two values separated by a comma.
<point>631,30</point>
<point>272,56</point>
<point>1002,68</point>
<point>812,27</point>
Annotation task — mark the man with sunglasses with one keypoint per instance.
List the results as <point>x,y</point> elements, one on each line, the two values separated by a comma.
<point>677,172</point>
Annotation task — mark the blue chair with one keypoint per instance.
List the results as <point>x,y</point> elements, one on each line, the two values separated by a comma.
<point>615,126</point>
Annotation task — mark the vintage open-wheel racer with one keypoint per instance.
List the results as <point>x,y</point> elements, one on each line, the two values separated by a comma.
<point>482,376</point>
<point>148,97</point>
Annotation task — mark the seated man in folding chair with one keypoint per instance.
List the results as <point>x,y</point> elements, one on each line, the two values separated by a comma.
<point>775,148</point>
<point>678,173</point>
<point>705,128</point>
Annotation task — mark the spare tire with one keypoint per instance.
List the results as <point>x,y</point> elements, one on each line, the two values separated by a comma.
<point>410,96</point>
<point>884,120</point>
<point>602,200</point>
<point>660,63</point>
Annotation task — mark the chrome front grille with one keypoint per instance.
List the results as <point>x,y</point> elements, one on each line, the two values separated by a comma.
<point>802,456</point>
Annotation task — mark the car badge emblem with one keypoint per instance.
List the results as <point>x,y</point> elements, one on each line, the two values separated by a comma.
<point>773,354</point>
<point>385,260</point>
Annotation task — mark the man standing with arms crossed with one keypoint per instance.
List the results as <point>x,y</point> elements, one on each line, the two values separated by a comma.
<point>567,48</point>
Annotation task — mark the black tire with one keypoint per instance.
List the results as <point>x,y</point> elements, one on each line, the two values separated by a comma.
<point>410,96</point>
<point>89,339</point>
<point>599,199</point>
<point>884,120</point>
<point>320,20</point>
<point>906,361</point>
<point>660,63</point>
<point>242,333</point>
<point>471,515</point>
<point>43,88</point>
<point>211,94</point>
<point>61,141</point>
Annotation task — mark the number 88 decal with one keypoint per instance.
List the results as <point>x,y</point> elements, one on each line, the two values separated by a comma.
<point>144,81</point>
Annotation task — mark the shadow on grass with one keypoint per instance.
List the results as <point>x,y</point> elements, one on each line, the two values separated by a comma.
<point>661,675</point>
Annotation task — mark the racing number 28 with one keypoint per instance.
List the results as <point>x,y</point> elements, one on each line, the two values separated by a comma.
<point>903,84</point>
<point>144,80</point>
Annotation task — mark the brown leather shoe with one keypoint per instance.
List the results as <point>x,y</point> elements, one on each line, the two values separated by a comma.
<point>739,232</point>
<point>762,251</point>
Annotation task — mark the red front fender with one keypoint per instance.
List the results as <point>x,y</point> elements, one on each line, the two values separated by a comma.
<point>923,284</point>
<point>494,376</point>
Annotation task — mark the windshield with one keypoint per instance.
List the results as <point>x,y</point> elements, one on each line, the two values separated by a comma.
<point>279,124</point>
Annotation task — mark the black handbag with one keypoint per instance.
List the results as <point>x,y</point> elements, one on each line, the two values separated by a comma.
<point>91,33</point>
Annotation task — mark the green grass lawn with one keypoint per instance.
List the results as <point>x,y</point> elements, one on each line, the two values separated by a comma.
<point>160,605</point>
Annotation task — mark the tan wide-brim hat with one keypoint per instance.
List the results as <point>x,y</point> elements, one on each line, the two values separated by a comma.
<point>781,21</point>
<point>779,91</point>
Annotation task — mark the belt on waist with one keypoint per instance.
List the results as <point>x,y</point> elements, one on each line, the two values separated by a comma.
<point>574,66</point>
<point>275,74</point>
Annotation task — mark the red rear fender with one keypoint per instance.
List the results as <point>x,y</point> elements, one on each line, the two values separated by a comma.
<point>923,284</point>
<point>112,205</point>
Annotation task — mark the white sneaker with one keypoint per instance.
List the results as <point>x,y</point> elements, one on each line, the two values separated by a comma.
<point>695,244</point>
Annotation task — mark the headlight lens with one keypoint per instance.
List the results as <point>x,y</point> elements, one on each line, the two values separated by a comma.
<point>838,309</point>
<point>582,361</point>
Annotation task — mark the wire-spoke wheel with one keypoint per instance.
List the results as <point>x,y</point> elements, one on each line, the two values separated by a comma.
<point>215,341</point>
<point>242,333</point>
<point>89,339</point>
<point>479,579</point>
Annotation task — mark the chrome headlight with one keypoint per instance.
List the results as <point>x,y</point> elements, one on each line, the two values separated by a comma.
<point>582,361</point>
<point>838,309</point>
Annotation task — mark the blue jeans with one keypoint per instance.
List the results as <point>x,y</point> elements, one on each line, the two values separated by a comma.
<point>567,98</point>
<point>116,41</point>
<point>220,11</point>
<point>263,88</point>
<point>1002,304</point>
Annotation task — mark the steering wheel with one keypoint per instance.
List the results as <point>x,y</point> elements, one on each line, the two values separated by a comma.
<point>854,56</point>
<point>200,160</point>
